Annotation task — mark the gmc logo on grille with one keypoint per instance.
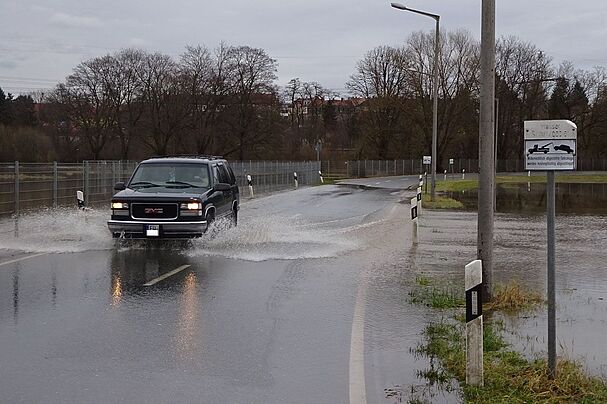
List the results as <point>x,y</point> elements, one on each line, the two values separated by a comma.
<point>154,211</point>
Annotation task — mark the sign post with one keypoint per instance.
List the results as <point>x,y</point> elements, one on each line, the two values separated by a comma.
<point>551,146</point>
<point>427,162</point>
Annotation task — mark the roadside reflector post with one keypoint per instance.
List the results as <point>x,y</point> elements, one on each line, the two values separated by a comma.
<point>419,200</point>
<point>426,179</point>
<point>414,218</point>
<point>295,178</point>
<point>250,183</point>
<point>80,199</point>
<point>445,175</point>
<point>550,146</point>
<point>463,174</point>
<point>474,323</point>
<point>322,181</point>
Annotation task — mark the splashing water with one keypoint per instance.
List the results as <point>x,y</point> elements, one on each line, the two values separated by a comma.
<point>275,237</point>
<point>254,239</point>
<point>61,230</point>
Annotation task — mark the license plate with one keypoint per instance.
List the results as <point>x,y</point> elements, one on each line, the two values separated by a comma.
<point>152,230</point>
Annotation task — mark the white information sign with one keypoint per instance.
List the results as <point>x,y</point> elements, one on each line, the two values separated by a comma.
<point>450,161</point>
<point>427,159</point>
<point>550,145</point>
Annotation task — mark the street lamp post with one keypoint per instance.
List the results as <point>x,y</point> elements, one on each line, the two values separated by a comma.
<point>436,18</point>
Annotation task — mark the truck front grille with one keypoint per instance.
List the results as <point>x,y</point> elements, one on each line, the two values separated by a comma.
<point>158,211</point>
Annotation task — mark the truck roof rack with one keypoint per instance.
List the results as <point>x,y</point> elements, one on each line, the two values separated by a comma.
<point>192,156</point>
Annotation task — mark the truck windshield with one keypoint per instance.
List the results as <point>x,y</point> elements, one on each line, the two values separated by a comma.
<point>171,176</point>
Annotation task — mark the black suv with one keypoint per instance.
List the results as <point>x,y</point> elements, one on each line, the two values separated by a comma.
<point>174,197</point>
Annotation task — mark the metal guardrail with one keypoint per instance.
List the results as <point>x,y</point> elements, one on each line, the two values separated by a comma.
<point>27,186</point>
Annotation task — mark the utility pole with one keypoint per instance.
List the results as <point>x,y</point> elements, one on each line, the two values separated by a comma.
<point>435,108</point>
<point>486,138</point>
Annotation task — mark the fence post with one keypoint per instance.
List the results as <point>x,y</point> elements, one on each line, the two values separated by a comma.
<point>86,181</point>
<point>55,184</point>
<point>17,188</point>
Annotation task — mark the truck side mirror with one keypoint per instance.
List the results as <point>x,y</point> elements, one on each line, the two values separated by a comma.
<point>119,186</point>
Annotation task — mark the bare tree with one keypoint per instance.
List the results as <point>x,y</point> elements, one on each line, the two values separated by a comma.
<point>253,91</point>
<point>166,107</point>
<point>457,86</point>
<point>381,78</point>
<point>206,79</point>
<point>87,98</point>
<point>127,99</point>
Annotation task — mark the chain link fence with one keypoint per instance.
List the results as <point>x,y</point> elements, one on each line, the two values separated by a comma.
<point>381,168</point>
<point>27,186</point>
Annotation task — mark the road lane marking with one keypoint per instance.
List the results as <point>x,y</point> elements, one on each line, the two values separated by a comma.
<point>358,391</point>
<point>163,277</point>
<point>22,259</point>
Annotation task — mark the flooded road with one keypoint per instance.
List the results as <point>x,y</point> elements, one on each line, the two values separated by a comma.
<point>307,300</point>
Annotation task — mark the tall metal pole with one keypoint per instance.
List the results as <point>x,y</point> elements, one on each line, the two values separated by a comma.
<point>436,18</point>
<point>435,108</point>
<point>486,138</point>
<point>551,213</point>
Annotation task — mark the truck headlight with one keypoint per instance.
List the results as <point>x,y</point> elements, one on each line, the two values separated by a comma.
<point>191,206</point>
<point>120,205</point>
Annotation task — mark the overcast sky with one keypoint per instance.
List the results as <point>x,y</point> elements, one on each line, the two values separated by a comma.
<point>315,40</point>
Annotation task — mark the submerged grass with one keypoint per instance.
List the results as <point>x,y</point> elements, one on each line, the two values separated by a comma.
<point>435,296</point>
<point>512,297</point>
<point>509,376</point>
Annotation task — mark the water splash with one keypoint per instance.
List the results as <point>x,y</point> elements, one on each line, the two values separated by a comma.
<point>61,230</point>
<point>254,239</point>
<point>274,238</point>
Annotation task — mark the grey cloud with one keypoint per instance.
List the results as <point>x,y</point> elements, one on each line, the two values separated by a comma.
<point>75,21</point>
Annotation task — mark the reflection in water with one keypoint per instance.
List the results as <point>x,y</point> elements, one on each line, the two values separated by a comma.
<point>116,289</point>
<point>16,295</point>
<point>531,198</point>
<point>187,338</point>
<point>132,267</point>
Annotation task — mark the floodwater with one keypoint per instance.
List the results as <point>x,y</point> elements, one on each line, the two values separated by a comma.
<point>448,243</point>
<point>295,267</point>
<point>531,198</point>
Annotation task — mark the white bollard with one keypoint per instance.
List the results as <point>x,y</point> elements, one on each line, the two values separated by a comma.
<point>295,178</point>
<point>445,175</point>
<point>250,182</point>
<point>414,218</point>
<point>80,199</point>
<point>463,174</point>
<point>322,181</point>
<point>419,200</point>
<point>474,323</point>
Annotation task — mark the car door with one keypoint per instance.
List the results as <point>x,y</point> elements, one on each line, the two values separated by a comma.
<point>224,177</point>
<point>217,197</point>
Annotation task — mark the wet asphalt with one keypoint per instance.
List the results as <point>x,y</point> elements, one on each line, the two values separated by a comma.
<point>306,301</point>
<point>263,313</point>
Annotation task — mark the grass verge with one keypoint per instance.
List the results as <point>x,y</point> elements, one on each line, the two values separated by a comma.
<point>440,202</point>
<point>509,376</point>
